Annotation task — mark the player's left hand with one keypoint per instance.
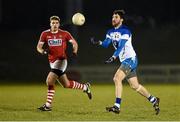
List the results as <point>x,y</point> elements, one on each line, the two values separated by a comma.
<point>110,60</point>
<point>73,56</point>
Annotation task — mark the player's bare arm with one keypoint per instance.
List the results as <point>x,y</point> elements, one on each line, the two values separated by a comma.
<point>75,46</point>
<point>40,48</point>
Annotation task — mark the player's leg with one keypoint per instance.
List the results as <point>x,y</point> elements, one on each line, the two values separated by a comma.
<point>75,85</point>
<point>133,81</point>
<point>118,77</point>
<point>61,66</point>
<point>51,78</point>
<point>123,71</point>
<point>134,84</point>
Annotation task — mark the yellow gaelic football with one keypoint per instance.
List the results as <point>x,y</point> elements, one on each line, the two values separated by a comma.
<point>78,19</point>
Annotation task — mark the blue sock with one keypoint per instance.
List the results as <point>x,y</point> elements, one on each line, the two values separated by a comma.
<point>118,102</point>
<point>152,99</point>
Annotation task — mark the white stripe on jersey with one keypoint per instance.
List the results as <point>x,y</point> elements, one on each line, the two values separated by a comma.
<point>127,51</point>
<point>108,36</point>
<point>125,36</point>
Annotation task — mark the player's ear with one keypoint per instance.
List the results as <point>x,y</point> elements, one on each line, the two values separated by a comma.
<point>122,20</point>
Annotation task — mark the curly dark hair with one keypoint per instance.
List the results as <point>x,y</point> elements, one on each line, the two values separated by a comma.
<point>121,13</point>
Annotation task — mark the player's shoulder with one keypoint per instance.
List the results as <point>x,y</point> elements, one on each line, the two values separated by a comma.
<point>110,30</point>
<point>46,31</point>
<point>64,31</point>
<point>125,29</point>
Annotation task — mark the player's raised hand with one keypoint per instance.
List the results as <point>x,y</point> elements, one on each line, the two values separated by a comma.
<point>110,60</point>
<point>94,41</point>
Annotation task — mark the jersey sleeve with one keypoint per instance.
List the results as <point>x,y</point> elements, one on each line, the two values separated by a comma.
<point>42,37</point>
<point>125,34</point>
<point>107,40</point>
<point>69,37</point>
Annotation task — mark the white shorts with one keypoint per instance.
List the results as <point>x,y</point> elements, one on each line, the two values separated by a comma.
<point>59,64</point>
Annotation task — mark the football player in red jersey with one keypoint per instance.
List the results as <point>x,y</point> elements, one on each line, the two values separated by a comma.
<point>57,39</point>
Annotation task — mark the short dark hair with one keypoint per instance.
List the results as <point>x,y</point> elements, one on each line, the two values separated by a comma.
<point>121,13</point>
<point>54,18</point>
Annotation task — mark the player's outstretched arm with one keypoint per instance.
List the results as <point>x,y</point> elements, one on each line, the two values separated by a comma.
<point>104,43</point>
<point>95,42</point>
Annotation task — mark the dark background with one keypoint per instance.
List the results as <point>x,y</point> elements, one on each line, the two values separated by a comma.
<point>155,26</point>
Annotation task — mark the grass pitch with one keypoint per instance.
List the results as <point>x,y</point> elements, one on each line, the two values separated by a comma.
<point>20,102</point>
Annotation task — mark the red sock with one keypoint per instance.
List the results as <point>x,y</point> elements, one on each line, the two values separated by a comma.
<point>76,85</point>
<point>50,95</point>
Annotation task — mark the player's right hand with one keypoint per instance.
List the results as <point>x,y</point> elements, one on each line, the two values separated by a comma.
<point>95,42</point>
<point>110,60</point>
<point>45,51</point>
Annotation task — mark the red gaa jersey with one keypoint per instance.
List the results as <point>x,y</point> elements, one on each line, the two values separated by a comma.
<point>57,43</point>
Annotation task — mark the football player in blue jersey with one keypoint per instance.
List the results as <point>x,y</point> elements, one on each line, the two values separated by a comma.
<point>120,37</point>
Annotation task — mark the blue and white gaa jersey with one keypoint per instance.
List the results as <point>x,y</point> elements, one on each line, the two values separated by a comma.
<point>121,39</point>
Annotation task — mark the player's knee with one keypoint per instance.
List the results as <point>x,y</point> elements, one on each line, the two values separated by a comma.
<point>49,81</point>
<point>136,87</point>
<point>66,85</point>
<point>117,79</point>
